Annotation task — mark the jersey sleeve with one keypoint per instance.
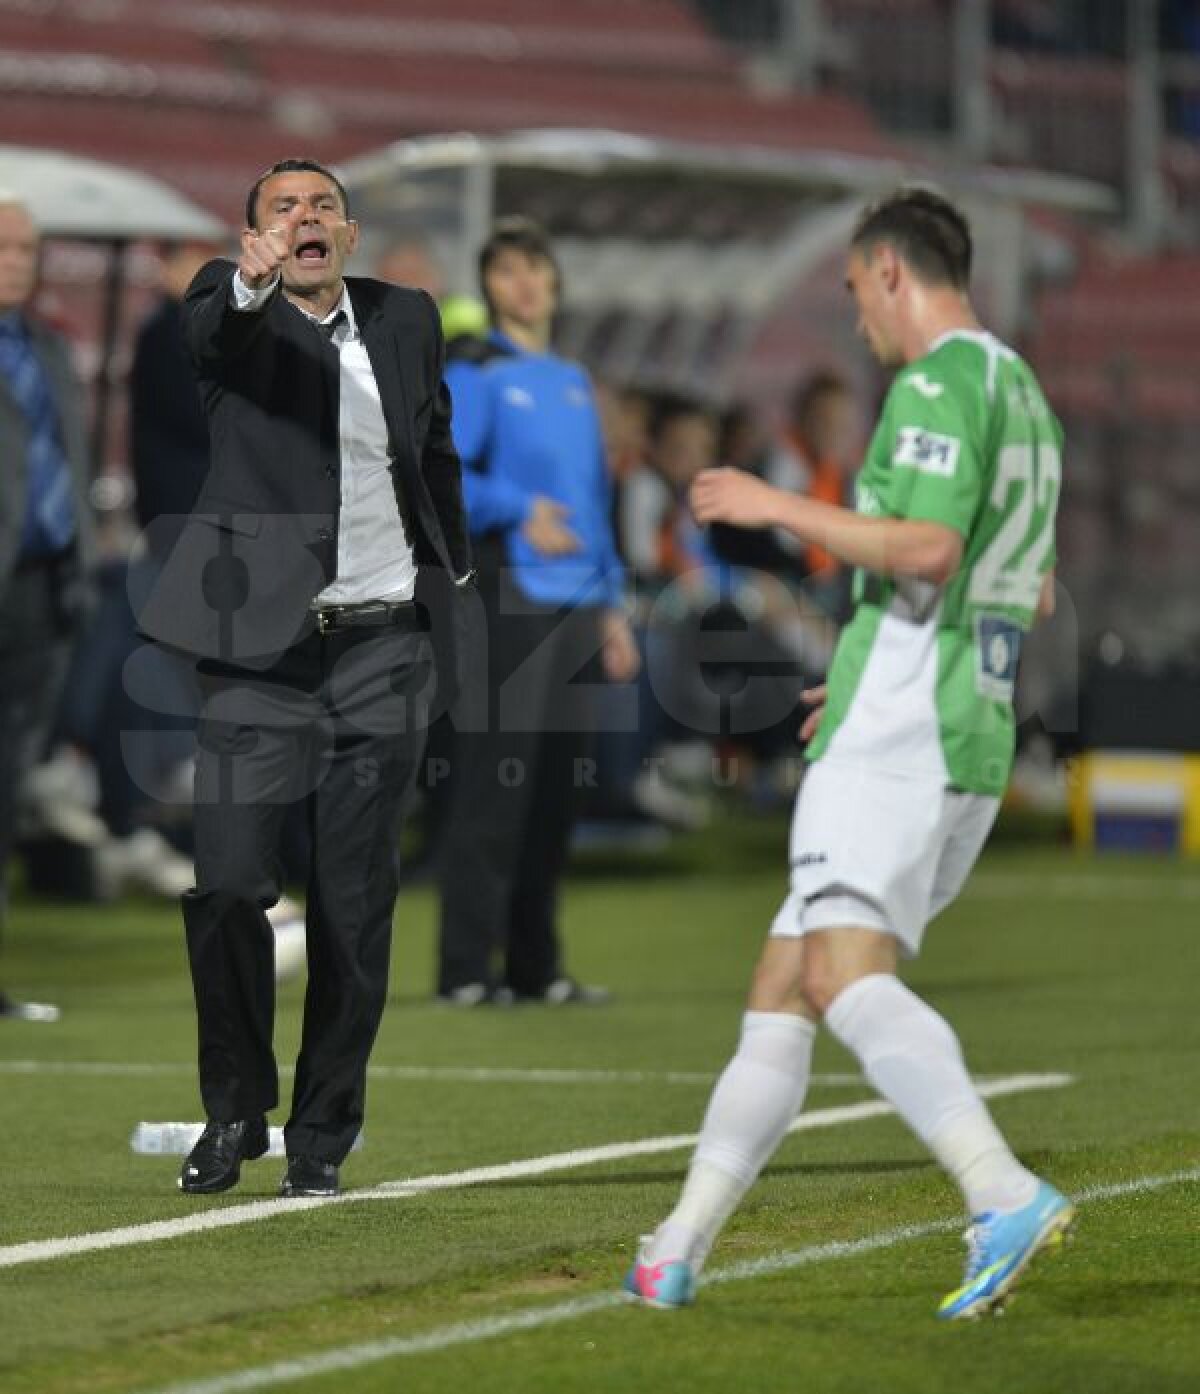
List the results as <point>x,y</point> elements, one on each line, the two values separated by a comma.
<point>935,449</point>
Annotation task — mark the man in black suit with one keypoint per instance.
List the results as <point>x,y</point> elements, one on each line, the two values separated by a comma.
<point>333,506</point>
<point>45,528</point>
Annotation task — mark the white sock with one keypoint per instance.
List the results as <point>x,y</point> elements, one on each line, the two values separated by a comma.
<point>910,1054</point>
<point>754,1103</point>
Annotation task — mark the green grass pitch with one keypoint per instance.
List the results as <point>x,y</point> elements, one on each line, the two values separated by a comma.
<point>1049,962</point>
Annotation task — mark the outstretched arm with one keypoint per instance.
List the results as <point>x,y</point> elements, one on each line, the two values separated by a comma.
<point>888,546</point>
<point>221,323</point>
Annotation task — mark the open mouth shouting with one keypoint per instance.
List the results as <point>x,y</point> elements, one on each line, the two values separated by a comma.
<point>312,251</point>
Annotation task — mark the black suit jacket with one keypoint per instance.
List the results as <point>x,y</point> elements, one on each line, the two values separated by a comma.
<point>261,541</point>
<point>168,426</point>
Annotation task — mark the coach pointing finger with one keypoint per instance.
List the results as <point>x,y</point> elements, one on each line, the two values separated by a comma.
<point>333,499</point>
<point>264,253</point>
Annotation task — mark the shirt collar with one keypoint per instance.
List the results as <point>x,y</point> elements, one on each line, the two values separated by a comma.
<point>343,307</point>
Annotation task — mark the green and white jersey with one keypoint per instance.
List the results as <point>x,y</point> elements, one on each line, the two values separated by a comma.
<point>922,679</point>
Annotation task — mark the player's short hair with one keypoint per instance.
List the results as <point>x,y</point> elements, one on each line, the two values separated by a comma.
<point>925,229</point>
<point>293,166</point>
<point>516,233</point>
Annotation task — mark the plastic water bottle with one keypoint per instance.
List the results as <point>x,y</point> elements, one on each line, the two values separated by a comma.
<point>165,1139</point>
<point>178,1139</point>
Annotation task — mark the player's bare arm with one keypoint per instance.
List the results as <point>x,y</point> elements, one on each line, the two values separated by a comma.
<point>813,697</point>
<point>890,546</point>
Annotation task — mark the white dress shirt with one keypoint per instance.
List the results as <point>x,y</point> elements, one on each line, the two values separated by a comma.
<point>374,555</point>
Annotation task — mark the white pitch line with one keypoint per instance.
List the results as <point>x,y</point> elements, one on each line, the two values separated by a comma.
<point>70,1246</point>
<point>466,1074</point>
<point>533,1318</point>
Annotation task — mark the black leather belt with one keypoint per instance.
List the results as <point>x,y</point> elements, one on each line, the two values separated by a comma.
<point>367,614</point>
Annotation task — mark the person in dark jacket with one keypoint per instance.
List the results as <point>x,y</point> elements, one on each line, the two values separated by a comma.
<point>45,528</point>
<point>539,503</point>
<point>330,523</point>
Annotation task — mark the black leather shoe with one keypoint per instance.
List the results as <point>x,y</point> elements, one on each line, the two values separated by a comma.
<point>215,1163</point>
<point>309,1176</point>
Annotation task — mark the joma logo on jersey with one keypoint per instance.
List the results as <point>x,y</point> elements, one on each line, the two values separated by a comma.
<point>926,451</point>
<point>924,386</point>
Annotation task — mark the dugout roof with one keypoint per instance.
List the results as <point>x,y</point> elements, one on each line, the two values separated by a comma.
<point>674,255</point>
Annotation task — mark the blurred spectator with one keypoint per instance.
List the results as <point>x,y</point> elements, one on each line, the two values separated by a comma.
<point>684,439</point>
<point>818,454</point>
<point>744,441</point>
<point>45,527</point>
<point>624,423</point>
<point>411,262</point>
<point>630,779</point>
<point>642,501</point>
<point>128,713</point>
<point>538,502</point>
<point>740,690</point>
<point>665,771</point>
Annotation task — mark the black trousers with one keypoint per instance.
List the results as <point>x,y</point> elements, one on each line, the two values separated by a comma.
<point>339,723</point>
<point>516,786</point>
<point>34,652</point>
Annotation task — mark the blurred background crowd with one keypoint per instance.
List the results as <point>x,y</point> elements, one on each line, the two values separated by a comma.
<point>697,166</point>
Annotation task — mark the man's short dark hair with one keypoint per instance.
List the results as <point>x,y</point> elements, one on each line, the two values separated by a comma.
<point>925,229</point>
<point>293,166</point>
<point>670,406</point>
<point>811,391</point>
<point>517,234</point>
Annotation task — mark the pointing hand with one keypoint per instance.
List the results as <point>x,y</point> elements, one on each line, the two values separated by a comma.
<point>263,253</point>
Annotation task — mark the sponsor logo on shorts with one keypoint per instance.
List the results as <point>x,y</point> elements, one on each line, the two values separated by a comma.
<point>810,859</point>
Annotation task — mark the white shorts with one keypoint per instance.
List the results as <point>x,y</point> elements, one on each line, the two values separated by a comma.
<point>872,850</point>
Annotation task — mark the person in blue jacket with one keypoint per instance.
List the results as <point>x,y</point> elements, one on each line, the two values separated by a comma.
<point>539,508</point>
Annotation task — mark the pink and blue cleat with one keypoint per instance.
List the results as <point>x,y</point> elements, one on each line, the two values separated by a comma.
<point>1000,1247</point>
<point>667,1285</point>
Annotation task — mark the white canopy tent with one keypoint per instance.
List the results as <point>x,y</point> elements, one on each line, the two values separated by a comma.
<point>676,255</point>
<point>79,199</point>
<point>70,196</point>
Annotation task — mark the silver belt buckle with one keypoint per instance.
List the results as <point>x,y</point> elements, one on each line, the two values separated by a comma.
<point>325,619</point>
